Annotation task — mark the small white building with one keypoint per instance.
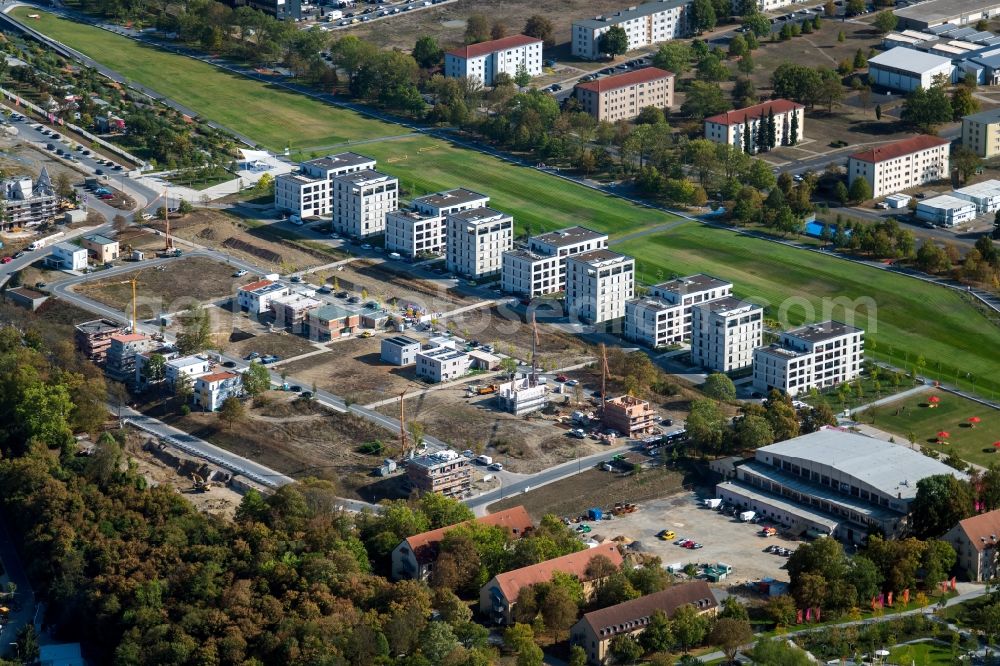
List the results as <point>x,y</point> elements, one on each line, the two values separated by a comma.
<point>192,366</point>
<point>946,210</point>
<point>519,396</point>
<point>477,239</point>
<point>986,195</point>
<point>211,390</point>
<point>725,332</point>
<point>68,257</point>
<point>484,61</point>
<point>654,322</point>
<point>598,284</point>
<point>361,200</point>
<point>818,355</point>
<point>442,364</point>
<point>400,350</point>
<point>897,200</point>
<point>256,297</point>
<point>904,69</point>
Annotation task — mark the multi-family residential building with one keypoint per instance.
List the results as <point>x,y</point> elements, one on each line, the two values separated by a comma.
<point>981,133</point>
<point>725,332</point>
<point>213,389</point>
<point>484,61</point>
<point>421,229</point>
<point>522,396</point>
<point>629,416</point>
<point>102,248</point>
<point>477,239</point>
<point>647,24</point>
<point>308,192</point>
<point>623,96</point>
<point>290,310</point>
<point>444,472</point>
<point>256,297</point>
<point>904,69</point>
<point>818,355</point>
<point>122,352</point>
<point>595,631</point>
<point>744,7</point>
<point>280,9</point>
<point>24,204</point>
<point>93,338</point>
<point>442,364</point>
<point>399,350</point>
<point>67,257</point>
<point>415,556</point>
<point>976,544</point>
<point>655,322</point>
<point>598,284</point>
<point>689,291</point>
<point>540,269</point>
<point>361,200</point>
<point>191,366</point>
<point>144,374</point>
<point>449,202</point>
<point>498,597</point>
<point>901,165</point>
<point>331,322</point>
<point>732,127</point>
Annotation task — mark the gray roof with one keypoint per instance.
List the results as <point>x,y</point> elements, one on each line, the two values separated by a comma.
<point>69,247</point>
<point>401,341</point>
<point>943,10</point>
<point>822,331</point>
<point>878,463</point>
<point>693,284</point>
<point>456,197</point>
<point>569,236</point>
<point>99,239</point>
<point>726,304</point>
<point>481,214</point>
<point>598,256</point>
<point>364,176</point>
<point>985,117</point>
<point>340,161</point>
<point>909,60</point>
<point>631,13</point>
<point>803,511</point>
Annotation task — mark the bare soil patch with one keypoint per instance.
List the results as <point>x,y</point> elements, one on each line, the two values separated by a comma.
<point>508,332</point>
<point>281,344</point>
<point>386,281</point>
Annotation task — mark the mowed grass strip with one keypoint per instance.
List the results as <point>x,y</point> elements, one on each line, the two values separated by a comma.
<point>537,201</point>
<point>909,315</point>
<point>271,116</point>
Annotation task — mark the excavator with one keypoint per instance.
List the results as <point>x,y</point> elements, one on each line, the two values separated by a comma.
<point>200,484</point>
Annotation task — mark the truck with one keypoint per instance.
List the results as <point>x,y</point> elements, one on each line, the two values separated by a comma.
<point>42,242</point>
<point>484,460</point>
<point>747,516</point>
<point>713,503</point>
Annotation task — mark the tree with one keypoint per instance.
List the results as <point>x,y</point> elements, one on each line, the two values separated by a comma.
<point>197,330</point>
<point>781,609</point>
<point>657,637</point>
<point>778,652</point>
<point>966,161</point>
<point>860,190</point>
<point>626,649</point>
<point>753,432</point>
<point>477,29</point>
<point>720,386</point>
<point>830,91</point>
<point>559,609</point>
<point>703,100</point>
<point>963,103</point>
<point>941,501</point>
<point>878,112</point>
<point>830,9</point>
<point>613,42</point>
<point>674,56</point>
<point>427,53</point>
<point>710,68</point>
<point>540,27</point>
<point>860,61</point>
<point>232,411</point>
<point>758,24</point>
<point>729,634</point>
<point>650,115</point>
<point>689,627</point>
<point>706,424</point>
<point>885,21</point>
<point>926,109</point>
<point>738,47</point>
<point>854,7</point>
<point>437,641</point>
<point>520,639</point>
<point>577,656</point>
<point>183,388</point>
<point>840,192</point>
<point>498,31</point>
<point>704,15</point>
<point>931,258</point>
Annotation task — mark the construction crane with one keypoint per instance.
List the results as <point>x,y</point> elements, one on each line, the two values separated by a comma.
<point>132,281</point>
<point>168,245</point>
<point>534,351</point>
<point>402,426</point>
<point>604,374</point>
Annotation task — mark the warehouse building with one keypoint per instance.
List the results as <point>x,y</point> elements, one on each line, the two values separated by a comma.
<point>904,69</point>
<point>938,12</point>
<point>986,195</point>
<point>946,210</point>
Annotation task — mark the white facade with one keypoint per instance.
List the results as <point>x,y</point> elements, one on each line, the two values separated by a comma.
<point>946,211</point>
<point>740,7</point>
<point>654,322</point>
<point>647,24</point>
<point>308,193</point>
<point>256,296</point>
<point>724,334</point>
<point>986,195</point>
<point>598,284</point>
<point>484,61</point>
<point>905,69</point>
<point>361,200</point>
<point>69,257</point>
<point>477,239</point>
<point>690,291</point>
<point>730,127</point>
<point>192,366</point>
<point>519,397</point>
<point>412,233</point>
<point>450,202</point>
<point>400,350</point>
<point>901,165</point>
<point>442,364</point>
<point>820,355</point>
<point>211,390</point>
<point>541,268</point>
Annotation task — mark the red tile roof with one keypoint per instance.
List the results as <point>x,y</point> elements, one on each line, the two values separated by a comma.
<point>218,376</point>
<point>628,615</point>
<point>740,115</point>
<point>502,44</point>
<point>982,531</point>
<point>425,544</point>
<point>899,148</point>
<point>129,337</point>
<point>575,564</point>
<point>253,286</point>
<point>644,75</point>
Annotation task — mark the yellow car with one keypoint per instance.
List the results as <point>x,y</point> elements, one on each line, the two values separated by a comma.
<point>667,535</point>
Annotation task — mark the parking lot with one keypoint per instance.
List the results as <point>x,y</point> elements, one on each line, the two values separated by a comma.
<point>724,538</point>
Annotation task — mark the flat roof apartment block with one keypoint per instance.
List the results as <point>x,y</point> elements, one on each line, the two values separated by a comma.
<point>122,352</point>
<point>445,473</point>
<point>484,61</point>
<point>450,201</point>
<point>629,416</point>
<point>442,364</point>
<point>399,350</point>
<point>529,274</point>
<point>689,291</point>
<point>256,296</point>
<point>647,24</point>
<point>93,338</point>
<point>332,322</point>
<point>102,248</point>
<point>598,284</point>
<point>361,200</point>
<point>290,310</point>
<point>731,127</point>
<point>68,257</point>
<point>623,96</point>
<point>521,396</point>
<point>477,239</point>
<point>981,133</point>
<point>655,322</point>
<point>901,165</point>
<point>819,355</point>
<point>725,332</point>
<point>308,192</point>
<point>413,233</point>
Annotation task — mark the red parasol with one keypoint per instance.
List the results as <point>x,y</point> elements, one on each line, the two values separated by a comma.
<point>996,445</point>
<point>943,435</point>
<point>934,399</point>
<point>974,420</point>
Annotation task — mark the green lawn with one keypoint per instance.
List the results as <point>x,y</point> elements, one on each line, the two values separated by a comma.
<point>271,116</point>
<point>922,654</point>
<point>952,416</point>
<point>909,317</point>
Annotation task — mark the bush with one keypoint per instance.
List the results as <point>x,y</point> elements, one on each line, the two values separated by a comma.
<point>372,448</point>
<point>185,410</point>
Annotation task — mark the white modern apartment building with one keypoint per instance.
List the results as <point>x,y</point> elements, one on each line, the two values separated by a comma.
<point>901,165</point>
<point>256,297</point>
<point>731,127</point>
<point>654,322</point>
<point>484,61</point>
<point>68,256</point>
<point>361,200</point>
<point>191,366</point>
<point>818,355</point>
<point>442,364</point>
<point>689,291</point>
<point>647,24</point>
<point>307,193</point>
<point>541,268</point>
<point>725,332</point>
<point>211,390</point>
<point>598,284</point>
<point>477,239</point>
<point>421,230</point>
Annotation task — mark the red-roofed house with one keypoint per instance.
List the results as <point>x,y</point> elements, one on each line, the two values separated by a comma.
<point>976,542</point>
<point>414,557</point>
<point>900,165</point>
<point>485,60</point>
<point>498,597</point>
<point>623,96</point>
<point>731,126</point>
<point>122,352</point>
<point>211,390</point>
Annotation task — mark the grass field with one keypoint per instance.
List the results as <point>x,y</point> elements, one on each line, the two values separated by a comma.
<point>922,654</point>
<point>952,416</point>
<point>908,315</point>
<point>271,116</point>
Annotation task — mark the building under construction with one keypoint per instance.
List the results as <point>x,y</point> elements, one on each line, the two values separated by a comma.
<point>444,472</point>
<point>522,396</point>
<point>628,415</point>
<point>93,338</point>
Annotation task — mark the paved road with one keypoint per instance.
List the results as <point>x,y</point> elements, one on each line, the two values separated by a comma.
<point>23,608</point>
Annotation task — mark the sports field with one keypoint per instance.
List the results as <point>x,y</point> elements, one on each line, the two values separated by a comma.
<point>908,315</point>
<point>269,115</point>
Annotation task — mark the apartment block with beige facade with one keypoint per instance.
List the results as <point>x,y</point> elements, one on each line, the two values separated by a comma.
<point>731,127</point>
<point>598,284</point>
<point>646,24</point>
<point>901,165</point>
<point>623,96</point>
<point>981,133</point>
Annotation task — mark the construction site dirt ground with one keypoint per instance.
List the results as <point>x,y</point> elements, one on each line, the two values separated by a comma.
<point>169,287</point>
<point>282,344</point>
<point>509,334</point>
<point>384,281</point>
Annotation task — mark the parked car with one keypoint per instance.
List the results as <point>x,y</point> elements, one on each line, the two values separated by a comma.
<point>561,378</point>
<point>6,260</point>
<point>496,467</point>
<point>239,273</point>
<point>251,356</point>
<point>667,535</point>
<point>341,294</point>
<point>18,255</point>
<point>354,299</point>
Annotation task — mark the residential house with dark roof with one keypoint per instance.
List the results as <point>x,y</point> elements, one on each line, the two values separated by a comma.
<point>900,165</point>
<point>975,541</point>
